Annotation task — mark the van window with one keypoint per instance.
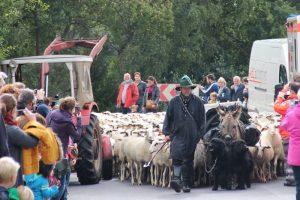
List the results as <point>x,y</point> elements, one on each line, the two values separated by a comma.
<point>282,75</point>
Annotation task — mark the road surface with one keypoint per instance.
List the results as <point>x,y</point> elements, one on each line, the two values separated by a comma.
<point>115,190</point>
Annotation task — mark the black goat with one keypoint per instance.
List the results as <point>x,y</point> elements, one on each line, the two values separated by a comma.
<point>241,163</point>
<point>221,163</point>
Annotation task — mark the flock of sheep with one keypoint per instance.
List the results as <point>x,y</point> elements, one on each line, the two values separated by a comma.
<point>137,138</point>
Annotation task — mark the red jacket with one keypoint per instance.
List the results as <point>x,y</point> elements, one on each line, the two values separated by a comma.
<point>132,95</point>
<point>281,106</point>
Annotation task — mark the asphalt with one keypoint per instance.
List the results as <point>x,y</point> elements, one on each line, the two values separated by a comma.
<point>115,190</point>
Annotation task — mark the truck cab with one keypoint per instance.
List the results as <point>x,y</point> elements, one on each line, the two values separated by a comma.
<point>268,72</point>
<point>272,64</point>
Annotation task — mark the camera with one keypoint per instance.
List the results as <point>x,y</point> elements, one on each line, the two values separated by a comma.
<point>77,110</point>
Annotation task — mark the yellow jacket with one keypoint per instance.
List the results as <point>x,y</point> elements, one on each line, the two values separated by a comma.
<point>49,148</point>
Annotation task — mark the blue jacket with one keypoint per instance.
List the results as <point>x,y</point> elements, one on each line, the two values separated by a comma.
<point>40,187</point>
<point>209,89</point>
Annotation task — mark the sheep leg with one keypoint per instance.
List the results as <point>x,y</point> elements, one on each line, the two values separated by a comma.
<point>170,176</point>
<point>269,171</point>
<point>161,176</point>
<point>164,177</point>
<point>263,174</point>
<point>257,173</point>
<point>156,175</point>
<point>132,173</point>
<point>151,174</point>
<point>275,167</point>
<point>139,173</point>
<point>122,169</point>
<point>127,169</point>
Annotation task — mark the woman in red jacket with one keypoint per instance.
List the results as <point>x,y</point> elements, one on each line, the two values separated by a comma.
<point>128,94</point>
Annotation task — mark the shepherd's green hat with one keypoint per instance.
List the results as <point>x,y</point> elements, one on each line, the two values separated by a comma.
<point>185,82</point>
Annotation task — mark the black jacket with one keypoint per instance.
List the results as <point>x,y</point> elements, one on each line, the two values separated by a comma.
<point>185,131</point>
<point>235,95</point>
<point>142,88</point>
<point>3,139</point>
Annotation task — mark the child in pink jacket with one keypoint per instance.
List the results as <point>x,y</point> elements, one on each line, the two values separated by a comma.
<point>290,123</point>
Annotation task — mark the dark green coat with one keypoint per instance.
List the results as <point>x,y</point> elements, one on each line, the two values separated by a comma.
<point>185,132</point>
<point>142,88</point>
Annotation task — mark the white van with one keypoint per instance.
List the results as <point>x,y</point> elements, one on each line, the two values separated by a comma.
<point>268,68</point>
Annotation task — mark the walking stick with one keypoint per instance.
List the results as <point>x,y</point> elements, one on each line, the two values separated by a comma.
<point>149,163</point>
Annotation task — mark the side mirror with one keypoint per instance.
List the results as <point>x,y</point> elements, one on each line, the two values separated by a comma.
<point>278,88</point>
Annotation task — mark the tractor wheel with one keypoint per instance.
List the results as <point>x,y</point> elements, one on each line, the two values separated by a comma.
<point>107,169</point>
<point>89,164</point>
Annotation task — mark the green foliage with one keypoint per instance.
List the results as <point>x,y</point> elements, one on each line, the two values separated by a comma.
<point>164,38</point>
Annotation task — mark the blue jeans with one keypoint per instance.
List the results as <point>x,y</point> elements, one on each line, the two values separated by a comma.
<point>63,189</point>
<point>296,170</point>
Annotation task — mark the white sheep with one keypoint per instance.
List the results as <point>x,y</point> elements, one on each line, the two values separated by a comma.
<point>137,153</point>
<point>264,155</point>
<point>278,150</point>
<point>162,164</point>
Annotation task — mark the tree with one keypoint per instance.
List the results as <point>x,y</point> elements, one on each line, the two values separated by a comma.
<point>164,38</point>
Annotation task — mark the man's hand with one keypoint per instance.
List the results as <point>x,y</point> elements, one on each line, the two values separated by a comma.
<point>167,138</point>
<point>118,106</point>
<point>29,115</point>
<point>281,94</point>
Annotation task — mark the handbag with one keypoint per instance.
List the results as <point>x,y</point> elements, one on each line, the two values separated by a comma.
<point>149,105</point>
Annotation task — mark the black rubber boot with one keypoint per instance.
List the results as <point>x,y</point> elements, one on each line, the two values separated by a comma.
<point>187,179</point>
<point>176,179</point>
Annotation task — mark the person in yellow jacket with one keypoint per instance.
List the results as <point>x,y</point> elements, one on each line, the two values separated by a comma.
<point>49,149</point>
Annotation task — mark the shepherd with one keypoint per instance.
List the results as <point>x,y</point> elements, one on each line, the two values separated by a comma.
<point>184,126</point>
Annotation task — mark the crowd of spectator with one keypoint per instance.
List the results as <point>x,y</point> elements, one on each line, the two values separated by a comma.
<point>142,97</point>
<point>36,136</point>
<point>217,91</point>
<point>138,96</point>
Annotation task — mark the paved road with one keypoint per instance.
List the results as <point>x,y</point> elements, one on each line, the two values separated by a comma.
<point>115,190</point>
